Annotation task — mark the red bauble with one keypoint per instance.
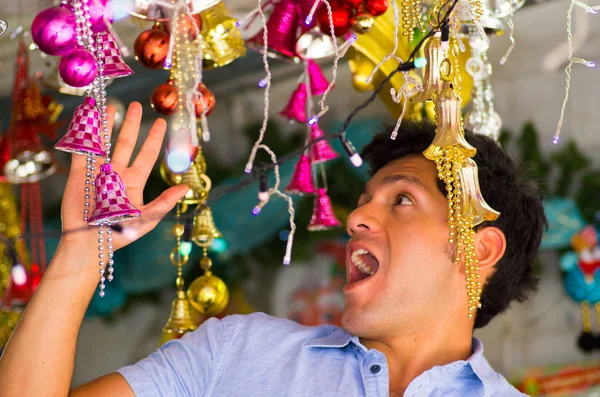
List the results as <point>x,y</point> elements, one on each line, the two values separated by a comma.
<point>188,24</point>
<point>206,101</point>
<point>151,48</point>
<point>376,7</point>
<point>340,15</point>
<point>352,4</point>
<point>164,99</point>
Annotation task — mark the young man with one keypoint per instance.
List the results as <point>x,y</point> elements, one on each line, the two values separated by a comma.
<point>405,326</point>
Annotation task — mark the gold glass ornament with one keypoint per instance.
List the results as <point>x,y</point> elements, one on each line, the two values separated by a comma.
<point>222,41</point>
<point>204,231</point>
<point>432,75</point>
<point>474,205</point>
<point>208,294</point>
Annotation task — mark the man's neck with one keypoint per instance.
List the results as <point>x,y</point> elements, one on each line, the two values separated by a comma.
<point>408,356</point>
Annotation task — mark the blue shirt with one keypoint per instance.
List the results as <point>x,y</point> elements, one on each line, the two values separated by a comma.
<point>260,355</point>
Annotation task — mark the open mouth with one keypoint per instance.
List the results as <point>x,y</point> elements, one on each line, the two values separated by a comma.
<point>362,265</point>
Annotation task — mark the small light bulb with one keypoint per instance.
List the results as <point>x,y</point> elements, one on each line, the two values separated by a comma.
<point>313,120</point>
<point>555,139</point>
<point>287,260</point>
<point>420,62</point>
<point>308,20</point>
<point>256,210</point>
<point>178,160</point>
<point>262,83</point>
<point>18,274</point>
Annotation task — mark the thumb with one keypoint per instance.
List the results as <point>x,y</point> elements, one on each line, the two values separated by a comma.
<point>158,208</point>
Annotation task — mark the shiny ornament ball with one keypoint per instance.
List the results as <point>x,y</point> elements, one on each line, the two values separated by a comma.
<point>78,69</point>
<point>352,4</point>
<point>151,48</point>
<point>188,25</point>
<point>164,99</point>
<point>362,23</point>
<point>99,11</point>
<point>376,7</point>
<point>208,295</point>
<point>341,17</point>
<point>53,30</point>
<point>205,101</point>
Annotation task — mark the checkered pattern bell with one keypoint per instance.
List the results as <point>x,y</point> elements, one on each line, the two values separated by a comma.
<point>114,66</point>
<point>83,135</point>
<point>112,203</point>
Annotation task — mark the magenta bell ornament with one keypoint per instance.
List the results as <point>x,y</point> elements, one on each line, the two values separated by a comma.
<point>78,69</point>
<point>318,82</point>
<point>83,135</point>
<point>321,151</point>
<point>54,31</point>
<point>282,32</point>
<point>112,203</point>
<point>323,217</point>
<point>114,66</point>
<point>302,180</point>
<point>295,110</point>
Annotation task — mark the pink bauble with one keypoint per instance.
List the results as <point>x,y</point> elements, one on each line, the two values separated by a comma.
<point>99,10</point>
<point>78,69</point>
<point>53,31</point>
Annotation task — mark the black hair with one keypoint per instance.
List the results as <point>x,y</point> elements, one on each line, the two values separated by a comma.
<point>504,187</point>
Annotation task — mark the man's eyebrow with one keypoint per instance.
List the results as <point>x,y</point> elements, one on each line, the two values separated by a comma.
<point>391,179</point>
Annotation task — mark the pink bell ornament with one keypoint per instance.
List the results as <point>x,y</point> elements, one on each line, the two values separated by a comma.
<point>282,31</point>
<point>114,66</point>
<point>323,217</point>
<point>83,135</point>
<point>321,151</point>
<point>295,110</point>
<point>318,82</point>
<point>302,180</point>
<point>112,203</point>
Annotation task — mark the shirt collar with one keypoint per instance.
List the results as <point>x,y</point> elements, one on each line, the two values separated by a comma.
<point>339,338</point>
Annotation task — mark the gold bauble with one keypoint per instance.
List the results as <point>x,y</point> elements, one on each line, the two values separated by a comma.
<point>362,23</point>
<point>208,295</point>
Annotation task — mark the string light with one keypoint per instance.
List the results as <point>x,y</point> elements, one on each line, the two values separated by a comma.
<point>572,60</point>
<point>511,25</point>
<point>392,54</point>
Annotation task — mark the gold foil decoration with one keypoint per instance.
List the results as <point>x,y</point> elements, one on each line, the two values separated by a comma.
<point>222,41</point>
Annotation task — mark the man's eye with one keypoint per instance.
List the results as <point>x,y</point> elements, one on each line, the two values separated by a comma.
<point>403,199</point>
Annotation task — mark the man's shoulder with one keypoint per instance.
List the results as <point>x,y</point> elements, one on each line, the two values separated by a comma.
<point>260,328</point>
<point>505,389</point>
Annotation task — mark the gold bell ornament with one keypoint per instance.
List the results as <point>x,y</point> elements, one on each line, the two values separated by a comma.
<point>198,183</point>
<point>181,319</point>
<point>222,41</point>
<point>205,231</point>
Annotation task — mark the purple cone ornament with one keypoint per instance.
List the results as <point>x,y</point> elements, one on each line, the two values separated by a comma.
<point>282,32</point>
<point>114,66</point>
<point>78,69</point>
<point>321,151</point>
<point>323,217</point>
<point>98,12</point>
<point>295,110</point>
<point>318,82</point>
<point>53,30</point>
<point>302,180</point>
<point>112,203</point>
<point>83,135</point>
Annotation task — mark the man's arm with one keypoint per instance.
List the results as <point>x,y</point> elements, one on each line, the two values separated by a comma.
<point>114,382</point>
<point>39,357</point>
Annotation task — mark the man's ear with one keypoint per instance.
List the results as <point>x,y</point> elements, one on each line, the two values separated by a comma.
<point>490,245</point>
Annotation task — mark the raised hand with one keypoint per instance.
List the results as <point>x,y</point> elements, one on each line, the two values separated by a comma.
<point>134,177</point>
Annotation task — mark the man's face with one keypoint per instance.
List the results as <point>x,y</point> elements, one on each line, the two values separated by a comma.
<point>401,221</point>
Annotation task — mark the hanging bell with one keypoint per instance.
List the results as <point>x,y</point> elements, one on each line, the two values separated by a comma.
<point>180,320</point>
<point>449,130</point>
<point>321,150</point>
<point>222,41</point>
<point>282,32</point>
<point>28,160</point>
<point>83,135</point>
<point>318,82</point>
<point>208,294</point>
<point>323,217</point>
<point>295,110</point>
<point>473,204</point>
<point>302,180</point>
<point>112,203</point>
<point>198,183</point>
<point>204,230</point>
<point>432,77</point>
<point>114,66</point>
